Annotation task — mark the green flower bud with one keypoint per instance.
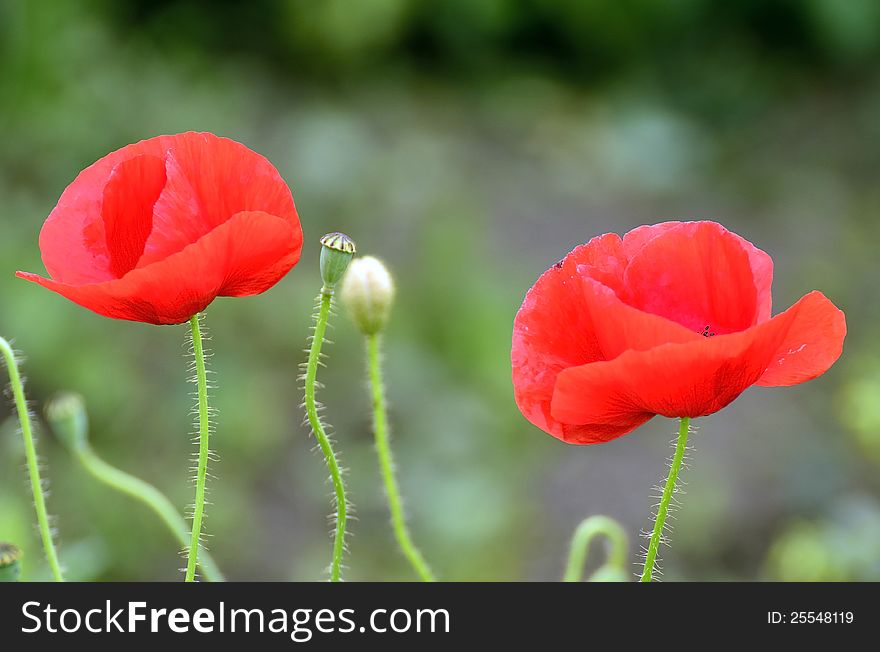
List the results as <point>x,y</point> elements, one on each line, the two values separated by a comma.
<point>368,292</point>
<point>67,415</point>
<point>336,253</point>
<point>10,562</point>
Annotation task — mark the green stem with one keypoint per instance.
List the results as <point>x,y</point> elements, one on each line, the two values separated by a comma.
<point>580,544</point>
<point>326,297</point>
<point>204,435</point>
<point>149,496</point>
<point>383,448</point>
<point>663,508</point>
<point>31,456</point>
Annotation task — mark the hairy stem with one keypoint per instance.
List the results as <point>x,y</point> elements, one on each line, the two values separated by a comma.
<point>326,298</point>
<point>149,496</point>
<point>204,435</point>
<point>663,508</point>
<point>31,456</point>
<point>580,544</point>
<point>386,463</point>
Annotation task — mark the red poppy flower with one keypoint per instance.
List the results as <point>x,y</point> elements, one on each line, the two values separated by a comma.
<point>672,319</point>
<point>155,231</point>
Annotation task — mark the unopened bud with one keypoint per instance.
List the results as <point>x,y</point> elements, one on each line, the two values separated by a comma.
<point>337,250</point>
<point>368,292</point>
<point>67,415</point>
<point>10,562</point>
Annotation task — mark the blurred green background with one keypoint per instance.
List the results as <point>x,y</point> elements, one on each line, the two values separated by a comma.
<point>470,145</point>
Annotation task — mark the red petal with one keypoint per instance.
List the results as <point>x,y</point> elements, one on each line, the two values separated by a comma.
<point>813,344</point>
<point>553,328</point>
<point>245,255</point>
<point>760,264</point>
<point>692,379</point>
<point>634,241</point>
<point>129,196</point>
<point>260,250</point>
<point>210,179</point>
<point>72,240</point>
<point>696,274</point>
<point>598,433</point>
<point>619,327</point>
<point>762,276</point>
<point>177,216</point>
<point>568,318</point>
<point>227,178</point>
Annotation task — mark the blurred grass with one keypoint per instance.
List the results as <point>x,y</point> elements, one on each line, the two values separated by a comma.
<point>470,145</point>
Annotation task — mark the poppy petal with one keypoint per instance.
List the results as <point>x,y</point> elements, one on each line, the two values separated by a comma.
<point>696,274</point>
<point>553,328</point>
<point>210,179</point>
<point>261,249</point>
<point>127,209</point>
<point>634,241</point>
<point>599,326</point>
<point>812,345</point>
<point>599,433</point>
<point>601,259</point>
<point>675,380</point>
<point>759,261</point>
<point>73,243</point>
<point>228,178</point>
<point>245,255</point>
<point>619,327</point>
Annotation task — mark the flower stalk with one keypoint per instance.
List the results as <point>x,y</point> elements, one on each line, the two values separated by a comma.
<point>386,464</point>
<point>31,456</point>
<point>337,250</point>
<point>368,293</point>
<point>665,499</point>
<point>583,536</point>
<point>204,450</point>
<point>323,440</point>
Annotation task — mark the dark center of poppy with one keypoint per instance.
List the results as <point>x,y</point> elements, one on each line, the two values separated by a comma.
<point>706,332</point>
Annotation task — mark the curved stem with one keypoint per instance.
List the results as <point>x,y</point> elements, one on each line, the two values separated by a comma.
<point>663,508</point>
<point>204,435</point>
<point>31,456</point>
<point>321,435</point>
<point>580,544</point>
<point>149,496</point>
<point>386,463</point>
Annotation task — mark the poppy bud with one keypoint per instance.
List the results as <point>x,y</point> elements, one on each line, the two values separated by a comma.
<point>336,253</point>
<point>368,292</point>
<point>10,562</point>
<point>67,415</point>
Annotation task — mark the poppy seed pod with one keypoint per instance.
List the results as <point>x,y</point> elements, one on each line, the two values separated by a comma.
<point>66,413</point>
<point>337,250</point>
<point>10,562</point>
<point>368,293</point>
